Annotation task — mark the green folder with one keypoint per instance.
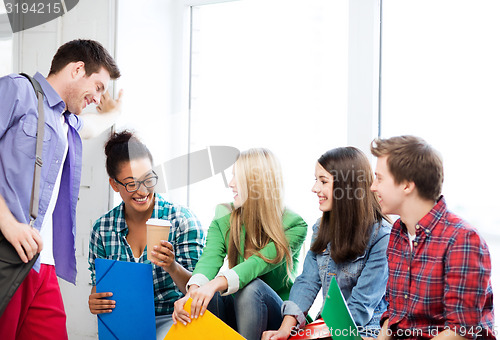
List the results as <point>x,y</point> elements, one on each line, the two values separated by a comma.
<point>337,316</point>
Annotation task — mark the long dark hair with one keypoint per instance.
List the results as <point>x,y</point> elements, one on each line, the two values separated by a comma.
<point>347,227</point>
<point>122,147</point>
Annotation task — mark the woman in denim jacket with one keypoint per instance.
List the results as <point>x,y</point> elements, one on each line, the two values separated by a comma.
<point>349,243</point>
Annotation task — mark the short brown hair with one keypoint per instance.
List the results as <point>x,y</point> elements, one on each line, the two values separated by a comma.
<point>411,158</point>
<point>92,53</point>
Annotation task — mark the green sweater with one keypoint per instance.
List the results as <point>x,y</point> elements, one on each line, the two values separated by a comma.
<point>275,275</point>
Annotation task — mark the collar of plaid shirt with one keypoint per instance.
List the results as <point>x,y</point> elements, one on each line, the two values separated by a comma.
<point>443,282</point>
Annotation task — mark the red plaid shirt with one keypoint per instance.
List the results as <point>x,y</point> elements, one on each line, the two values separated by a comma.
<point>444,283</point>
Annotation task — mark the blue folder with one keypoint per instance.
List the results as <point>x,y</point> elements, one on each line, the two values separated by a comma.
<point>132,286</point>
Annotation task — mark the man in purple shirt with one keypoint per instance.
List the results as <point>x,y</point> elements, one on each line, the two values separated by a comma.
<point>79,75</point>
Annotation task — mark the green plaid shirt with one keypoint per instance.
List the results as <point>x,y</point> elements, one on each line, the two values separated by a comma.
<point>108,241</point>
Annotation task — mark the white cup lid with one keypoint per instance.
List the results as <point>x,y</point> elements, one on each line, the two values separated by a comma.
<point>159,222</point>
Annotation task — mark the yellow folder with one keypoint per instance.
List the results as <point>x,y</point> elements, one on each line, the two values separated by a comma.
<point>206,327</point>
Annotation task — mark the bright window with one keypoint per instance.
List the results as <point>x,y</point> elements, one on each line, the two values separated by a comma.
<point>269,73</point>
<point>440,81</point>
<point>5,43</point>
<point>5,56</point>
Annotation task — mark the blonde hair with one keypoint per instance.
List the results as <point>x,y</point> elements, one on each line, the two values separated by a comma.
<point>260,187</point>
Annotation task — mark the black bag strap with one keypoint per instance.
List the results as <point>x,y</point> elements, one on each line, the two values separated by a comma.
<point>35,191</point>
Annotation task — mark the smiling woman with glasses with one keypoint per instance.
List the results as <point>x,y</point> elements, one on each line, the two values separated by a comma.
<point>120,234</point>
<point>133,185</point>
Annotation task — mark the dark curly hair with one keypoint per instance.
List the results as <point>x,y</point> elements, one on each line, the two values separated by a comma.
<point>122,147</point>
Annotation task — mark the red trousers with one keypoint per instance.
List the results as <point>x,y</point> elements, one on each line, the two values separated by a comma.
<point>36,311</point>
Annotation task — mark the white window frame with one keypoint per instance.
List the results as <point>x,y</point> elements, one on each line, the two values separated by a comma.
<point>363,73</point>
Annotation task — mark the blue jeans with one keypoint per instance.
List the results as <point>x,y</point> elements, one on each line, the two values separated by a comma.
<point>250,311</point>
<point>163,324</point>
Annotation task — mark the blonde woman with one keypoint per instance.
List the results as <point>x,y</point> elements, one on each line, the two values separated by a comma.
<point>261,240</point>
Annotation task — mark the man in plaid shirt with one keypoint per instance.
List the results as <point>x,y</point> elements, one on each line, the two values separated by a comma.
<point>439,266</point>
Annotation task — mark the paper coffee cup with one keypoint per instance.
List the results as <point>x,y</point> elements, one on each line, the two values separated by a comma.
<point>157,230</point>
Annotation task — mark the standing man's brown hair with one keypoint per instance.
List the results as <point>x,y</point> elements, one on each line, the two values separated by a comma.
<point>90,52</point>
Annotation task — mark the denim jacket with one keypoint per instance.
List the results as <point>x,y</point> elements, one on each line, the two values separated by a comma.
<point>362,281</point>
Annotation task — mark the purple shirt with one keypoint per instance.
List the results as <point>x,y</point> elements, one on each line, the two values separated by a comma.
<point>18,126</point>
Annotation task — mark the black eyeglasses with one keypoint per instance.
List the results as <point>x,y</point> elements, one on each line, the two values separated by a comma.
<point>133,186</point>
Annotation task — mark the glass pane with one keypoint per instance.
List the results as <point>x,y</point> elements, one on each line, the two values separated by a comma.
<point>151,101</point>
<point>440,72</point>
<point>269,74</point>
<point>5,43</point>
<point>5,56</point>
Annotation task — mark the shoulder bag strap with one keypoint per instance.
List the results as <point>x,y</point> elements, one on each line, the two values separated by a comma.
<point>35,191</point>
